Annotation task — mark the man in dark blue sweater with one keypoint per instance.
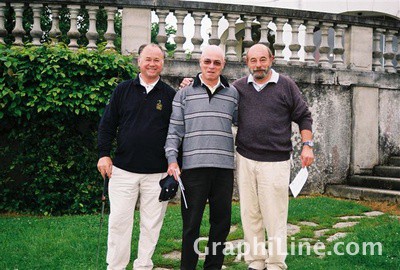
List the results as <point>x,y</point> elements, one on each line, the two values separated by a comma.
<point>138,117</point>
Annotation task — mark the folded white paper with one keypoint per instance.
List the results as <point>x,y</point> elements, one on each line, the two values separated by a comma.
<point>299,181</point>
<point>182,187</point>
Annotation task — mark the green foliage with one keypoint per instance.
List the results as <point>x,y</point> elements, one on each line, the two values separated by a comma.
<point>51,100</point>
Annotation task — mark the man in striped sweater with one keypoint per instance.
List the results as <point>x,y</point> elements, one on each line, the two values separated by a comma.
<point>202,114</point>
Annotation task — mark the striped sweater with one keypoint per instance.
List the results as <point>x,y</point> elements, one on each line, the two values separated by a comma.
<point>204,122</point>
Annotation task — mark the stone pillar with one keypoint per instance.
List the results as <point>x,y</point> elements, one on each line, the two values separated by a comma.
<point>55,31</point>
<point>36,32</point>
<point>309,46</point>
<point>294,47</point>
<point>179,37</point>
<point>92,34</point>
<point>18,31</point>
<point>279,45</point>
<point>365,150</point>
<point>214,17</point>
<point>110,34</point>
<point>231,42</point>
<point>162,33</point>
<point>389,54</point>
<point>197,40</point>
<point>247,40</point>
<point>358,48</point>
<point>377,52</point>
<point>73,33</point>
<point>3,31</point>
<point>324,48</point>
<point>264,30</point>
<point>338,49</point>
<point>398,53</point>
<point>136,29</point>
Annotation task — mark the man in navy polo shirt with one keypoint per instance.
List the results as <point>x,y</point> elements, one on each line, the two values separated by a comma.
<point>138,117</point>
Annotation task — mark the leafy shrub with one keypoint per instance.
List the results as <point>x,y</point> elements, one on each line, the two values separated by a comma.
<point>51,100</point>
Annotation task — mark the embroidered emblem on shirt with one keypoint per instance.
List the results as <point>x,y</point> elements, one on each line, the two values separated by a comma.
<point>159,105</point>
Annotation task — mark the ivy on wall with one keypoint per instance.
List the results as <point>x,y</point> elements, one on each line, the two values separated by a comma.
<point>51,100</point>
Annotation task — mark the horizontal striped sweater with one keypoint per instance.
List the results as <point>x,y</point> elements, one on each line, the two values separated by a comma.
<point>204,122</point>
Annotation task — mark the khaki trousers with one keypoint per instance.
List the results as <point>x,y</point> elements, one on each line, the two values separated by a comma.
<point>124,189</point>
<point>264,201</point>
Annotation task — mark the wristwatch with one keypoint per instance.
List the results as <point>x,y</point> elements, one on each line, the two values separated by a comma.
<point>309,143</point>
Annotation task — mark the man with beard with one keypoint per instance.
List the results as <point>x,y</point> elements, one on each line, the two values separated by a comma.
<point>269,102</point>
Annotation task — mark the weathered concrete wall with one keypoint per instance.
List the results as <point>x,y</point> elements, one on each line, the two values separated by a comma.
<point>330,97</point>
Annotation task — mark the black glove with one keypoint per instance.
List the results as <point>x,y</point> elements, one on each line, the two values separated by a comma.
<point>169,187</point>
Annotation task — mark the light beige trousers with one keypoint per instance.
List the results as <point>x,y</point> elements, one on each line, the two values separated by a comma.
<point>264,201</point>
<point>124,189</point>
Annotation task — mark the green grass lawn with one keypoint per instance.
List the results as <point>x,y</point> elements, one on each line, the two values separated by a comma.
<point>70,242</point>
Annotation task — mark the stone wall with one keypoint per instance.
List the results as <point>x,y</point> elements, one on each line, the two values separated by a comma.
<point>330,95</point>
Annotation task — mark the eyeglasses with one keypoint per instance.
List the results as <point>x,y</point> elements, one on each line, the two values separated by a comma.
<point>216,63</point>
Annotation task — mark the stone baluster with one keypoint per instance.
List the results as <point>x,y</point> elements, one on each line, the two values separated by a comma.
<point>264,30</point>
<point>162,34</point>
<point>324,48</point>
<point>294,47</point>
<point>110,34</point>
<point>179,37</point>
<point>18,31</point>
<point>398,53</point>
<point>36,32</point>
<point>389,54</point>
<point>73,33</point>
<point>197,40</point>
<point>279,45</point>
<point>55,31</point>
<point>214,17</point>
<point>3,31</point>
<point>338,49</point>
<point>309,46</point>
<point>231,41</point>
<point>92,34</point>
<point>377,52</point>
<point>247,40</point>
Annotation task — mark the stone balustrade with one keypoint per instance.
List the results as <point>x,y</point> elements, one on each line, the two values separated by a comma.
<point>298,38</point>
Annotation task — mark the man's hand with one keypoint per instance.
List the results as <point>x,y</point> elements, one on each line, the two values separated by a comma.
<point>105,166</point>
<point>173,169</point>
<point>185,82</point>
<point>307,156</point>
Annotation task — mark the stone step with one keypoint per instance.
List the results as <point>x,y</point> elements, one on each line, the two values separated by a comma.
<point>389,183</point>
<point>387,171</point>
<point>394,161</point>
<point>360,193</point>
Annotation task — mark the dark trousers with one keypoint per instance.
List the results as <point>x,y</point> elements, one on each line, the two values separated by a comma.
<point>216,186</point>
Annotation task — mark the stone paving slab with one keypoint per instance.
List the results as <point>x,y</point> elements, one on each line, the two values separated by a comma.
<point>336,236</point>
<point>344,224</point>
<point>308,223</point>
<point>351,217</point>
<point>373,213</point>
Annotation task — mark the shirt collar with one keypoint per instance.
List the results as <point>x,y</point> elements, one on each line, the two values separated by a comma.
<point>274,79</point>
<point>148,87</point>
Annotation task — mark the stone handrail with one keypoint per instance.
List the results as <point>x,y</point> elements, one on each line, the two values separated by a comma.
<point>299,38</point>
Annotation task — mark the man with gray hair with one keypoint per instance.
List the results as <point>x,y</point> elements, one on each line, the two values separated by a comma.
<point>202,115</point>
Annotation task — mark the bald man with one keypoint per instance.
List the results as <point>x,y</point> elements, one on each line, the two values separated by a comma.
<point>203,114</point>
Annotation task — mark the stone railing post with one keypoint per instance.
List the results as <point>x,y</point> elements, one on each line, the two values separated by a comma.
<point>398,52</point>
<point>264,30</point>
<point>162,33</point>
<point>338,49</point>
<point>36,32</point>
<point>55,31</point>
<point>197,40</point>
<point>18,31</point>
<point>279,45</point>
<point>136,29</point>
<point>179,37</point>
<point>247,40</point>
<point>377,52</point>
<point>214,17</point>
<point>231,41</point>
<point>294,47</point>
<point>110,34</point>
<point>324,48</point>
<point>3,31</point>
<point>309,46</point>
<point>73,32</point>
<point>389,54</point>
<point>92,34</point>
